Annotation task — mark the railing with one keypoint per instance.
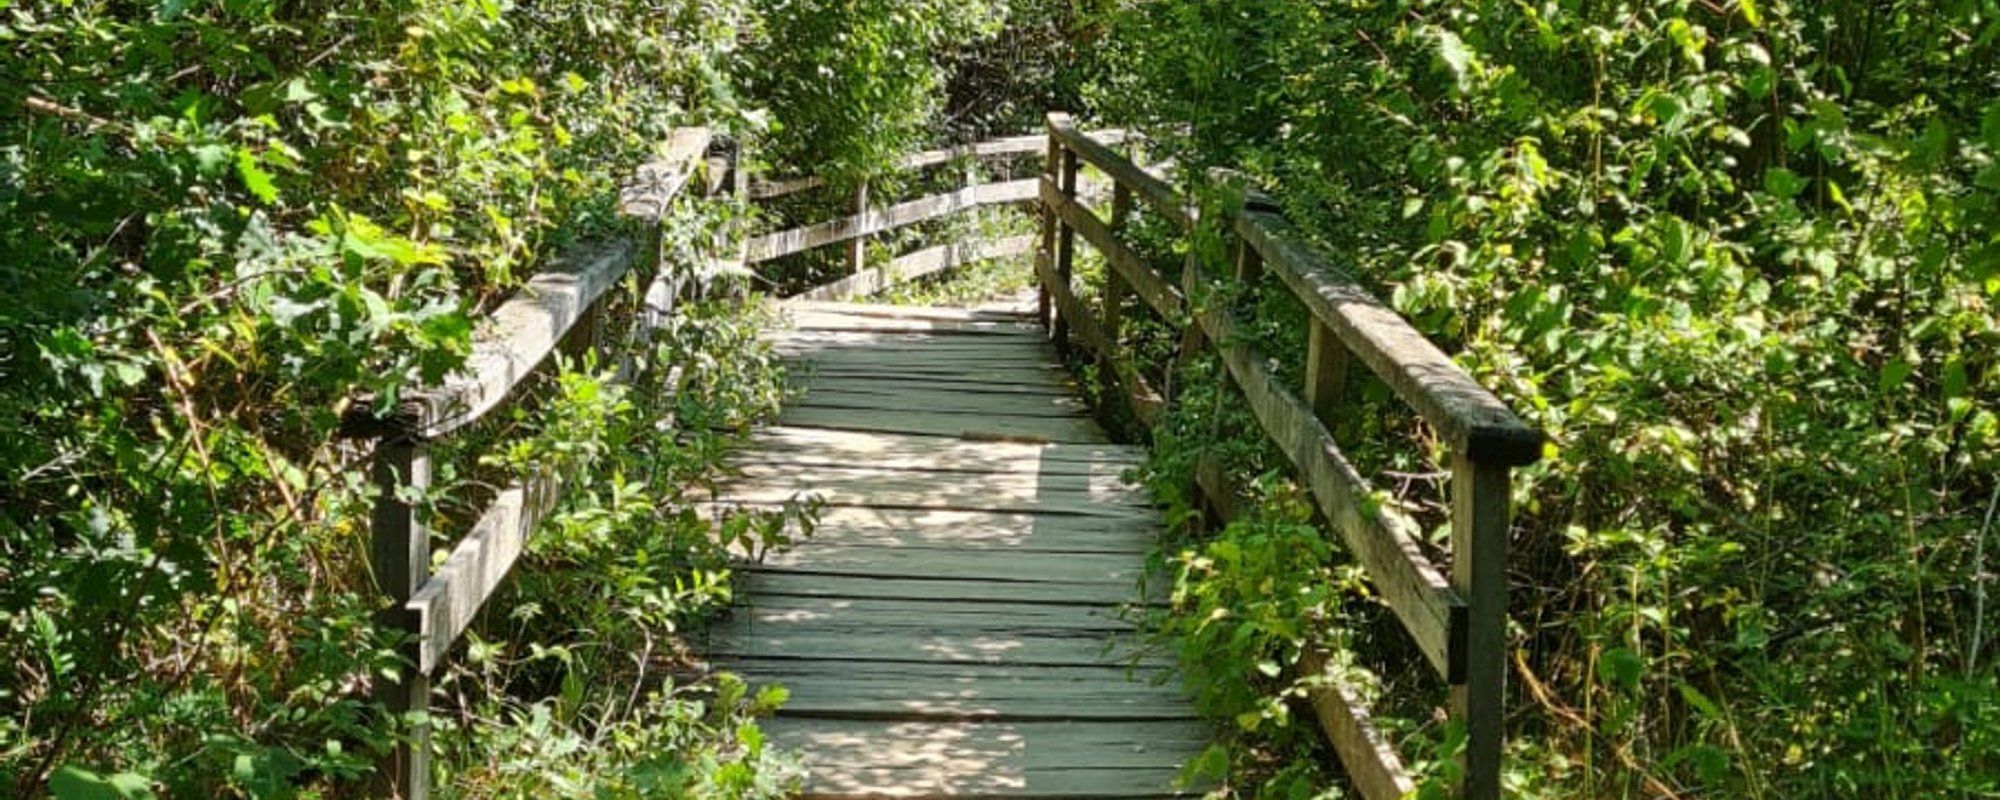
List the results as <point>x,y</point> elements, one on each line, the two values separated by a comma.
<point>559,307</point>
<point>1457,621</point>
<point>855,229</point>
<point>562,305</point>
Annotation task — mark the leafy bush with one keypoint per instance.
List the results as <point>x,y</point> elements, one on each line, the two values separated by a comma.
<point>1741,261</point>
<point>221,222</point>
<point>853,85</point>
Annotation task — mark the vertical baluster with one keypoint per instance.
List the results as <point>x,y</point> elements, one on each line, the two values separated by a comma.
<point>1479,522</point>
<point>401,551</point>
<point>1065,249</point>
<point>1326,371</point>
<point>1045,256</point>
<point>857,247</point>
<point>1115,291</point>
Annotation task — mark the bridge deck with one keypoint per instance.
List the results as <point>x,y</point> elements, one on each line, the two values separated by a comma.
<point>953,627</point>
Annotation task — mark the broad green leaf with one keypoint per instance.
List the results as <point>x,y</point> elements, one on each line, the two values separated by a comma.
<point>76,783</point>
<point>254,177</point>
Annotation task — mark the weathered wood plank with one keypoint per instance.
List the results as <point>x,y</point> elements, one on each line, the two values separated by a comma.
<point>918,264</point>
<point>1017,567</point>
<point>972,532</point>
<point>654,185</point>
<point>755,581</point>
<point>1000,760</point>
<point>892,382</point>
<point>727,642</point>
<point>1091,484</point>
<point>508,345</point>
<point>963,426</point>
<point>451,598</point>
<point>1415,591</point>
<point>926,360</point>
<point>1017,381</point>
<point>1006,328</point>
<point>796,612</point>
<point>1372,764</point>
<point>787,242</point>
<point>912,312</point>
<point>1026,338</point>
<point>947,400</point>
<point>903,691</point>
<point>918,493</point>
<point>871,445</point>
<point>1465,414</point>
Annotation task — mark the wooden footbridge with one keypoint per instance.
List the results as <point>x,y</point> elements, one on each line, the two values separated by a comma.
<point>958,624</point>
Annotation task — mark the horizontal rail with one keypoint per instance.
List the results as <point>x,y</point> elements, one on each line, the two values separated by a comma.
<point>1458,621</point>
<point>1468,416</point>
<point>656,183</point>
<point>506,347</point>
<point>1150,189</point>
<point>446,603</point>
<point>916,265</point>
<point>784,243</point>
<point>1415,591</point>
<point>1010,146</point>
<point>1144,280</point>
<point>1372,765</point>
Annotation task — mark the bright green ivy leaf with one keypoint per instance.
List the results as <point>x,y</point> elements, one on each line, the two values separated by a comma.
<point>254,177</point>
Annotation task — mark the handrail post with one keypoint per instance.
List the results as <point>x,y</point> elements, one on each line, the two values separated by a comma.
<point>1479,524</point>
<point>857,247</point>
<point>1044,300</point>
<point>1326,371</point>
<point>401,554</point>
<point>1115,290</point>
<point>1065,266</point>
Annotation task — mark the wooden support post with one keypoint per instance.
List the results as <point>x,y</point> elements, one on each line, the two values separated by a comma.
<point>1115,291</point>
<point>857,247</point>
<point>401,553</point>
<point>1326,371</point>
<point>1249,265</point>
<point>1479,525</point>
<point>1052,168</point>
<point>1065,266</point>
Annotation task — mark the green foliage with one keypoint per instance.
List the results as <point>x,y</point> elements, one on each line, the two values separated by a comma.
<point>220,223</point>
<point>854,84</point>
<point>565,688</point>
<point>1741,261</point>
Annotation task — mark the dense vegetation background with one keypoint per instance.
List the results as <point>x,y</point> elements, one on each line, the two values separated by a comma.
<point>1741,260</point>
<point>222,221</point>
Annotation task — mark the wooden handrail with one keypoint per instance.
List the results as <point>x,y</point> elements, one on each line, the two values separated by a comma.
<point>784,243</point>
<point>508,345</point>
<point>1005,147</point>
<point>1465,414</point>
<point>1458,622</point>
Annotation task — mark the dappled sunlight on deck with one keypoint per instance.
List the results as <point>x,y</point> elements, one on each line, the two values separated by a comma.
<point>958,622</point>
